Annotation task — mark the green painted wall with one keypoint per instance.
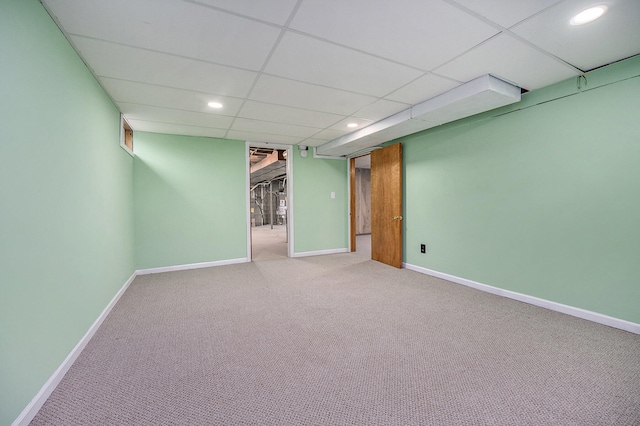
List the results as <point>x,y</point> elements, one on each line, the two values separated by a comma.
<point>190,197</point>
<point>541,200</point>
<point>320,222</point>
<point>66,202</point>
<point>190,203</point>
<point>544,200</point>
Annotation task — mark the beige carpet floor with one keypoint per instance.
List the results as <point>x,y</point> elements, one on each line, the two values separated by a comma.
<point>341,340</point>
<point>268,243</point>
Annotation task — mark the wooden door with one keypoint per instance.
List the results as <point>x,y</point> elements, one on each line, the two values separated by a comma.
<point>386,205</point>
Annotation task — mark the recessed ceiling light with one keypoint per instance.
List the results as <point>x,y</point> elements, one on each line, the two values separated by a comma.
<point>215,104</point>
<point>588,15</point>
<point>352,125</point>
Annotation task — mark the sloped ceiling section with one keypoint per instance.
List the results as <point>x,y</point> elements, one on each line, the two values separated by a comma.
<point>301,71</point>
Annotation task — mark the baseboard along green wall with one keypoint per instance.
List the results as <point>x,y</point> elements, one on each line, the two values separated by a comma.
<point>66,202</point>
<point>321,222</point>
<point>190,200</point>
<point>539,198</point>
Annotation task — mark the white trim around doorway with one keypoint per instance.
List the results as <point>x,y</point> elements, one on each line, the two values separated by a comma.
<point>289,149</point>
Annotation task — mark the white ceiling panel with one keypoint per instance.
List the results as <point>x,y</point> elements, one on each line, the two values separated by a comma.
<point>424,88</point>
<point>423,34</point>
<point>506,13</point>
<point>329,134</point>
<point>614,36</point>
<point>313,61</point>
<point>248,125</point>
<point>161,96</point>
<point>308,96</point>
<point>380,109</point>
<point>175,129</point>
<point>296,71</point>
<point>275,11</point>
<point>263,137</point>
<point>313,142</point>
<point>166,115</point>
<point>170,26</point>
<point>507,58</point>
<point>342,125</point>
<point>288,115</point>
<point>128,63</point>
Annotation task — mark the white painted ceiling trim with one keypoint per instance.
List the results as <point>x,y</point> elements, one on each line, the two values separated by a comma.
<point>479,95</point>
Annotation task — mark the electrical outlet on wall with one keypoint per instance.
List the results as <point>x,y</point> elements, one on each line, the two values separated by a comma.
<point>423,248</point>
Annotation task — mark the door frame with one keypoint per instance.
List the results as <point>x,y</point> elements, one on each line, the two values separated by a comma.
<point>289,170</point>
<point>351,196</point>
<point>351,192</point>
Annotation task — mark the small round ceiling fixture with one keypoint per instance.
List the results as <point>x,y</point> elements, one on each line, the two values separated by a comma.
<point>352,125</point>
<point>215,104</point>
<point>589,15</point>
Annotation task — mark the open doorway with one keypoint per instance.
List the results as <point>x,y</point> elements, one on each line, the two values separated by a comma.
<point>386,207</point>
<point>269,202</point>
<point>361,198</point>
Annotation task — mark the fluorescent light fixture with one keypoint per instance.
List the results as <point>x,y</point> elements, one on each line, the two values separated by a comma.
<point>215,104</point>
<point>589,15</point>
<point>352,125</point>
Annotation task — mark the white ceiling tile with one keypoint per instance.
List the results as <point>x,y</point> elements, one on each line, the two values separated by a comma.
<point>307,96</point>
<point>174,129</point>
<point>288,115</point>
<point>380,109</point>
<point>178,27</point>
<point>248,125</point>
<point>276,11</point>
<point>339,61</point>
<point>313,142</point>
<point>506,12</point>
<point>509,59</point>
<point>330,134</point>
<point>424,88</point>
<point>342,125</point>
<point>422,34</point>
<point>613,37</point>
<point>313,61</point>
<point>166,115</point>
<point>107,59</point>
<point>161,96</point>
<point>263,137</point>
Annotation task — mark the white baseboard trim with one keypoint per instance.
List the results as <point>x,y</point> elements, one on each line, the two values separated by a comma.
<point>320,252</point>
<point>554,306</point>
<point>38,401</point>
<point>191,266</point>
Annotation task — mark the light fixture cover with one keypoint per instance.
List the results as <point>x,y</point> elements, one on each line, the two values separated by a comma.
<point>589,15</point>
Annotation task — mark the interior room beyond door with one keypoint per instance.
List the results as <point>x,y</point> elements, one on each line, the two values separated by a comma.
<point>269,209</point>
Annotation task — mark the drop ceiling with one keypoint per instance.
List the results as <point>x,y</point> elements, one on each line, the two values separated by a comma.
<point>298,71</point>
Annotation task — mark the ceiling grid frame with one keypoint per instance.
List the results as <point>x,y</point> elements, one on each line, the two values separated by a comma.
<point>523,25</point>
